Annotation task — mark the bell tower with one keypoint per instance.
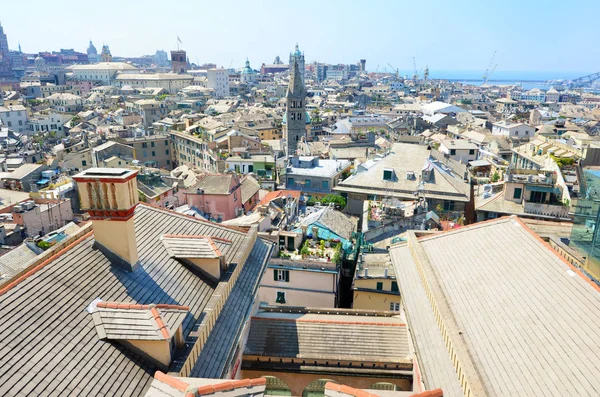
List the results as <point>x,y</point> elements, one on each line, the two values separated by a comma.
<point>295,112</point>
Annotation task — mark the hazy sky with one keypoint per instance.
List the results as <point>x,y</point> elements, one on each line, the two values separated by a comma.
<point>529,35</point>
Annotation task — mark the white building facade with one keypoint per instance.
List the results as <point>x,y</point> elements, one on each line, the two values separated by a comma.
<point>14,117</point>
<point>218,80</point>
<point>512,130</point>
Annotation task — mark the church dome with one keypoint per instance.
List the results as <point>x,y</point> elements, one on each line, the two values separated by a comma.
<point>247,69</point>
<point>39,61</point>
<point>91,49</point>
<point>297,53</point>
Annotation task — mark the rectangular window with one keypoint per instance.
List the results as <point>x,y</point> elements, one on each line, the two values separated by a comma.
<point>394,307</point>
<point>234,196</point>
<point>517,193</point>
<point>281,275</point>
<point>307,182</point>
<point>471,151</point>
<point>448,205</point>
<point>145,153</point>
<point>83,163</point>
<point>151,144</point>
<point>291,181</point>
<point>280,297</point>
<point>452,152</point>
<point>325,184</point>
<point>144,144</point>
<point>168,162</point>
<point>153,153</point>
<point>379,286</point>
<point>167,151</point>
<point>394,286</point>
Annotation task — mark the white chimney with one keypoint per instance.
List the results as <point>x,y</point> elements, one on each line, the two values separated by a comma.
<point>110,196</point>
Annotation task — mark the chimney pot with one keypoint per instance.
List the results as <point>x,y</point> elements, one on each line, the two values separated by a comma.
<point>110,197</point>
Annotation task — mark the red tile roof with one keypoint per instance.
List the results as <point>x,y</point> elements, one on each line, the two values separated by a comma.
<point>207,389</point>
<point>348,390</point>
<point>279,193</point>
<point>430,393</point>
<point>362,393</point>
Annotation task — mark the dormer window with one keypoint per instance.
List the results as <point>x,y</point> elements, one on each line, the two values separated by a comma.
<point>388,174</point>
<point>204,253</point>
<point>152,331</point>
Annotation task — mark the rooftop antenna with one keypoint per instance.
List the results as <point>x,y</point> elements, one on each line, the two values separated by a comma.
<point>178,41</point>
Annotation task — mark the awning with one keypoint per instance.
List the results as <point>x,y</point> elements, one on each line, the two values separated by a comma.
<point>543,189</point>
<point>479,163</point>
<point>43,181</point>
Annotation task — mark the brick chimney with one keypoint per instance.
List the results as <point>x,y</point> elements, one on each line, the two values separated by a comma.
<point>110,196</point>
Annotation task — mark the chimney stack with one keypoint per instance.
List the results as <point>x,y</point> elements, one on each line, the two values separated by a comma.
<point>110,196</point>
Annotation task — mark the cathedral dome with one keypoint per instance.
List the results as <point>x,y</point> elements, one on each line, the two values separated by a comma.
<point>247,69</point>
<point>91,49</point>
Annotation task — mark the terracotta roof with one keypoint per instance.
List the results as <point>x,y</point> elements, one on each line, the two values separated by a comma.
<point>348,390</point>
<point>191,391</point>
<point>280,193</point>
<point>430,393</point>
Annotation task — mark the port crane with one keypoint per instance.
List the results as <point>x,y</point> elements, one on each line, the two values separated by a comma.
<point>396,72</point>
<point>490,69</point>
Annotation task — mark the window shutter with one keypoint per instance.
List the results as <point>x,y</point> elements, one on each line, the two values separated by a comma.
<point>275,274</point>
<point>287,275</point>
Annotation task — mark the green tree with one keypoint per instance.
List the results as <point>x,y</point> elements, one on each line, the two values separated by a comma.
<point>339,201</point>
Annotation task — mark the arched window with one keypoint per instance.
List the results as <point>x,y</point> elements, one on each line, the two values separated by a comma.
<point>316,388</point>
<point>277,387</point>
<point>384,386</point>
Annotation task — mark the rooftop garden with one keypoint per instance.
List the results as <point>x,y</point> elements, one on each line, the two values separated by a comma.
<point>316,251</point>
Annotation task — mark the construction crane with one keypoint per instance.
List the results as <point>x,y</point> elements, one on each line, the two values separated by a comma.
<point>490,69</point>
<point>416,75</point>
<point>377,70</point>
<point>230,63</point>
<point>394,69</point>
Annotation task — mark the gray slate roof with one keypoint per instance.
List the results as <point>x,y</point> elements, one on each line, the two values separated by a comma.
<point>328,336</point>
<point>249,188</point>
<point>48,342</point>
<point>334,220</point>
<point>193,246</point>
<point>135,324</point>
<point>218,353</point>
<point>15,260</point>
<point>520,316</point>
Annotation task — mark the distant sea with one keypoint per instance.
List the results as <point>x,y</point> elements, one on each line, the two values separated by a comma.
<point>526,79</point>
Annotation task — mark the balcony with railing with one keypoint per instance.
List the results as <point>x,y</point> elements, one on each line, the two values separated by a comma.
<point>550,210</point>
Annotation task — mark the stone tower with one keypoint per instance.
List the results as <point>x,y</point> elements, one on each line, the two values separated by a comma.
<point>106,56</point>
<point>295,112</point>
<point>299,57</point>
<point>179,62</point>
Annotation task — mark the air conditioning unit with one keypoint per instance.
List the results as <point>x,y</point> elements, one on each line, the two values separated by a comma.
<point>17,208</point>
